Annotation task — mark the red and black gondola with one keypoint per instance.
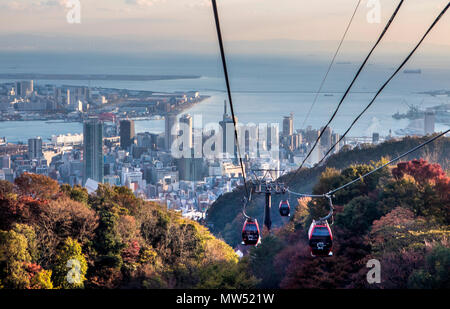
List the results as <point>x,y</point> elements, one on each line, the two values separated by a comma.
<point>250,232</point>
<point>320,239</point>
<point>284,208</point>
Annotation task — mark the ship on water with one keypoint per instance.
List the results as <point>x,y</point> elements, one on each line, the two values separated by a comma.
<point>441,112</point>
<point>412,71</point>
<point>413,113</point>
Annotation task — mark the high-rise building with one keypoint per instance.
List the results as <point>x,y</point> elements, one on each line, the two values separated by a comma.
<point>190,169</point>
<point>147,140</point>
<point>35,148</point>
<point>68,101</point>
<point>170,121</point>
<point>228,138</point>
<point>24,88</point>
<point>5,162</point>
<point>375,137</point>
<point>126,133</point>
<point>186,120</point>
<point>325,140</point>
<point>288,125</point>
<point>93,150</point>
<point>334,140</point>
<point>429,121</point>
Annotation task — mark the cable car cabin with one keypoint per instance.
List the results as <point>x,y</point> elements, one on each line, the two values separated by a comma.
<point>285,208</point>
<point>250,232</point>
<point>320,239</point>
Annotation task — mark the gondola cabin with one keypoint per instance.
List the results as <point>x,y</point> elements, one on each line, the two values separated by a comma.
<point>250,232</point>
<point>285,208</point>
<point>320,239</point>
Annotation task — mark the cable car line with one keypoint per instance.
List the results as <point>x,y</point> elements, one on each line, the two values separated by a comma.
<point>349,87</point>
<point>387,82</point>
<point>251,235</point>
<point>227,81</point>
<point>246,202</point>
<point>330,65</point>
<point>360,178</point>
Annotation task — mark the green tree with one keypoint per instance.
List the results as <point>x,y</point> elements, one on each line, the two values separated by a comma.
<point>358,215</point>
<point>76,193</point>
<point>227,275</point>
<point>262,261</point>
<point>436,273</point>
<point>17,249</point>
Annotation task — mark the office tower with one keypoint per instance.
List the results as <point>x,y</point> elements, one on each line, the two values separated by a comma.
<point>5,162</point>
<point>186,120</point>
<point>147,140</point>
<point>375,137</point>
<point>429,121</point>
<point>34,148</point>
<point>68,97</point>
<point>93,150</point>
<point>170,121</point>
<point>58,95</point>
<point>190,169</point>
<point>334,140</point>
<point>228,138</point>
<point>24,88</point>
<point>288,125</point>
<point>126,133</point>
<point>298,139</point>
<point>325,140</point>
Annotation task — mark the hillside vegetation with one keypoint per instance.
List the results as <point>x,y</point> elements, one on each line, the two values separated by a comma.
<point>399,216</point>
<point>61,237</point>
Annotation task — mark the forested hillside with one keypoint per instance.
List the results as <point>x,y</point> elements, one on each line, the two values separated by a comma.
<point>61,237</point>
<point>54,236</point>
<point>225,217</point>
<point>399,216</point>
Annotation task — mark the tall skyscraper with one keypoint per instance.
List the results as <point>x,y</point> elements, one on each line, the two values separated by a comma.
<point>93,150</point>
<point>147,140</point>
<point>170,121</point>
<point>186,120</point>
<point>5,162</point>
<point>375,137</point>
<point>68,101</point>
<point>429,122</point>
<point>325,140</point>
<point>34,148</point>
<point>228,138</point>
<point>127,133</point>
<point>24,88</point>
<point>288,125</point>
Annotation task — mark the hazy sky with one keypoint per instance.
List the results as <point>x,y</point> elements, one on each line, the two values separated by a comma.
<point>174,25</point>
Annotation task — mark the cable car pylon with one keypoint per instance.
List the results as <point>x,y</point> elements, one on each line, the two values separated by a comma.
<point>268,187</point>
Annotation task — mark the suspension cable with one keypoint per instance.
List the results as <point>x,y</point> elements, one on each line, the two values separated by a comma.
<point>349,87</point>
<point>331,65</point>
<point>360,178</point>
<point>227,81</point>
<point>386,83</point>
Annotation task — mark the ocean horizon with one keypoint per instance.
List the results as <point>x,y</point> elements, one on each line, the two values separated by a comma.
<point>264,88</point>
